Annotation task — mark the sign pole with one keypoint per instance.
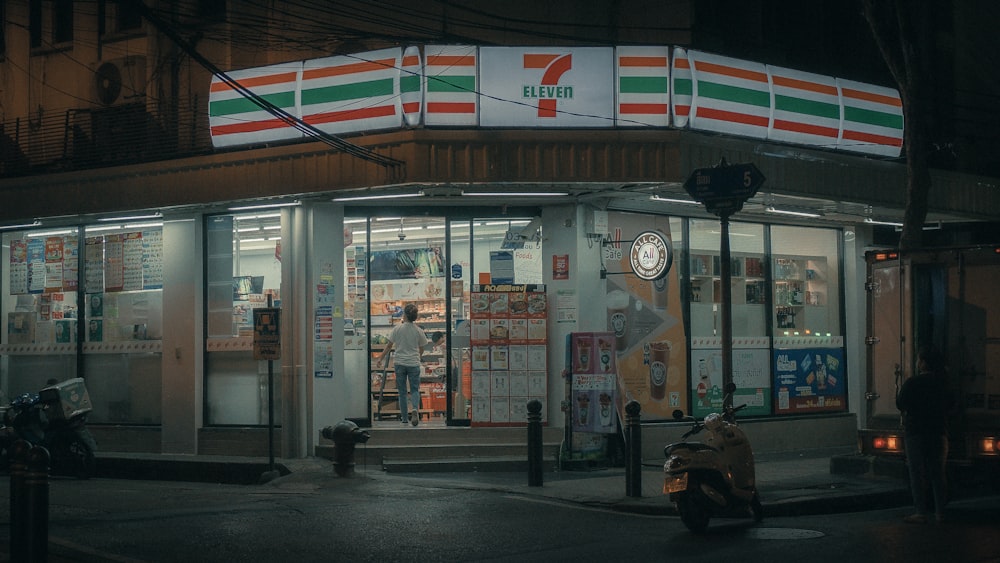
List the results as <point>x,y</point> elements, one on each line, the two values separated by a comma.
<point>726,274</point>
<point>724,189</point>
<point>270,402</point>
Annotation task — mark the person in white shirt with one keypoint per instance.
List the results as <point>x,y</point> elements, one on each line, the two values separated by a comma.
<point>408,341</point>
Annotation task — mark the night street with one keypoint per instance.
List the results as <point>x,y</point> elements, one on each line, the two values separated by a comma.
<point>388,518</point>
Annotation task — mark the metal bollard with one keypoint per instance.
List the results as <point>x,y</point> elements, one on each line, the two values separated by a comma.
<point>633,450</point>
<point>36,491</point>
<point>18,509</point>
<point>534,443</point>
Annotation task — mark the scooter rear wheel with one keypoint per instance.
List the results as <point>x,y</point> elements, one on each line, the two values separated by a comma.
<point>80,458</point>
<point>693,512</point>
<point>756,509</point>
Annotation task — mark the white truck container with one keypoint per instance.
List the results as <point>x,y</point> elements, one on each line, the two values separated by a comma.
<point>948,298</point>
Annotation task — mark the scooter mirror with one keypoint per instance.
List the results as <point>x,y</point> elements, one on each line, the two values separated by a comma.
<point>678,414</point>
<point>731,388</point>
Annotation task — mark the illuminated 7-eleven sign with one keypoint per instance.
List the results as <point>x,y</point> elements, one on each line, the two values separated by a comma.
<point>547,87</point>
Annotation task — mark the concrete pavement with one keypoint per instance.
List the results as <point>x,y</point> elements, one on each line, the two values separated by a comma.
<point>790,484</point>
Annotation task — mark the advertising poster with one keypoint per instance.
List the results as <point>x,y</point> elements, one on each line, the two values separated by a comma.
<point>505,351</point>
<point>645,318</point>
<point>592,363</point>
<point>809,380</point>
<point>750,374</point>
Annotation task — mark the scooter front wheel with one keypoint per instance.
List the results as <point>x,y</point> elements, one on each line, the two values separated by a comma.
<point>693,512</point>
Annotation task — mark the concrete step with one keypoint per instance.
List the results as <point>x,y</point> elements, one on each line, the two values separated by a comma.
<point>470,464</point>
<point>376,455</point>
<point>457,448</point>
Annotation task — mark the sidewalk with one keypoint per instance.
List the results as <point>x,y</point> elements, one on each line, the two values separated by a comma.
<point>789,484</point>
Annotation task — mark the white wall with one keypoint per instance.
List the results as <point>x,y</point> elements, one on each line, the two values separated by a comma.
<point>183,362</point>
<point>346,393</point>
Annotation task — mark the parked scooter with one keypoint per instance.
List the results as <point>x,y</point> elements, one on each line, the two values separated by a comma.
<point>54,418</point>
<point>714,477</point>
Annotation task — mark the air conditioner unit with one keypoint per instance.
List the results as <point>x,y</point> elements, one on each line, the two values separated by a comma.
<point>121,81</point>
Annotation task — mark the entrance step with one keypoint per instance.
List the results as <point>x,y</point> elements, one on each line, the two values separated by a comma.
<point>448,449</point>
<point>471,464</point>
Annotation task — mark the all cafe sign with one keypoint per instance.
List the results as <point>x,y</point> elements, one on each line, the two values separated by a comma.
<point>650,256</point>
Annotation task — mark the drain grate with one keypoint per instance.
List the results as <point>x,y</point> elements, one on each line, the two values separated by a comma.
<point>783,534</point>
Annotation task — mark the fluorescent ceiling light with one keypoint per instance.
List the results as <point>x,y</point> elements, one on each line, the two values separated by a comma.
<point>35,223</point>
<point>672,200</point>
<point>382,196</point>
<point>156,215</point>
<point>871,221</point>
<point>516,194</point>
<point>52,233</point>
<point>264,206</point>
<point>793,212</point>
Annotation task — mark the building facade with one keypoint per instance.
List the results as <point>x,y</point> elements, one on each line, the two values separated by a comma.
<point>151,206</point>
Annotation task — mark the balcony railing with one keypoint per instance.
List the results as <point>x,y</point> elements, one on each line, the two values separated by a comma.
<point>81,139</point>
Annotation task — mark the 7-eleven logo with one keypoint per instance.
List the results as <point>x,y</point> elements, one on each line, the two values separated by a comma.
<point>549,91</point>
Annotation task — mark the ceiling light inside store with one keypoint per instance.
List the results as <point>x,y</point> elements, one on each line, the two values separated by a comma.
<point>516,194</point>
<point>264,206</point>
<point>871,221</point>
<point>382,196</point>
<point>794,212</point>
<point>673,200</point>
<point>156,215</point>
<point>35,223</point>
<point>57,233</point>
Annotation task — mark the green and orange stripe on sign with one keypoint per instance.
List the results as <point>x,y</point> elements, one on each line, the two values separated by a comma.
<point>352,93</point>
<point>730,95</point>
<point>643,86</point>
<point>806,108</point>
<point>410,92</point>
<point>234,119</point>
<point>682,92</point>
<point>452,96</point>
<point>873,119</point>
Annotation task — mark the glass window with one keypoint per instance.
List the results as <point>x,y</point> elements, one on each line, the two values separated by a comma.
<point>116,322</point>
<point>35,23</point>
<point>123,315</point>
<point>746,243</point>
<point>808,342</point>
<point>806,273</point>
<point>62,21</point>
<point>40,309</point>
<point>128,16</point>
<point>400,260</point>
<point>243,272</point>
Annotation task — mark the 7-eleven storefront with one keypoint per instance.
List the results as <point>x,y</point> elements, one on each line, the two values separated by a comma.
<point>499,197</point>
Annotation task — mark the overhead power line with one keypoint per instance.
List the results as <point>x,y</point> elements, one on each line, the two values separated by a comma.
<point>306,128</point>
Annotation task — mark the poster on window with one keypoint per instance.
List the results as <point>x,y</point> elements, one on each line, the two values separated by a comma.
<point>809,380</point>
<point>18,267</point>
<point>646,320</point>
<point>411,263</point>
<point>750,375</point>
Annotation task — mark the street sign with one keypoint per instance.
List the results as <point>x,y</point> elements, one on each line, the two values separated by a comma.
<point>267,333</point>
<point>724,187</point>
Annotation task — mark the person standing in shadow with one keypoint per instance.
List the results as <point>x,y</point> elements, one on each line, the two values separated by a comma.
<point>924,400</point>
